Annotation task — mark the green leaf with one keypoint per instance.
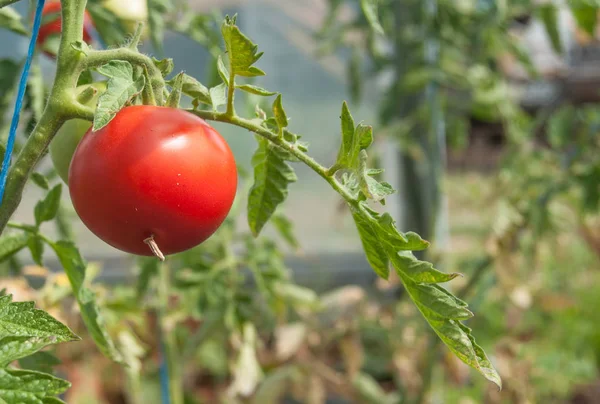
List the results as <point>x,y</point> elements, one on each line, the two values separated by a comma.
<point>157,10</point>
<point>419,271</point>
<point>585,14</point>
<point>36,247</point>
<point>222,70</point>
<point>11,20</point>
<point>175,95</point>
<point>46,209</point>
<point>165,66</point>
<point>374,250</point>
<point>121,89</point>
<point>14,348</point>
<point>549,16</point>
<point>369,8</point>
<point>74,267</point>
<point>218,96</point>
<point>194,89</point>
<point>39,180</point>
<point>19,319</point>
<point>30,387</point>
<point>285,228</point>
<point>370,187</point>
<point>272,175</point>
<point>241,51</point>
<point>12,244</point>
<point>353,140</point>
<point>279,113</point>
<point>256,90</point>
<point>443,312</point>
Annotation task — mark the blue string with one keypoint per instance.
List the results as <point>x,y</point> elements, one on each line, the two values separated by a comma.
<point>19,103</point>
<point>164,372</point>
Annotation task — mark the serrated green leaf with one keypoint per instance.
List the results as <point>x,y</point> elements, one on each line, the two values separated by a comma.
<point>194,89</point>
<point>222,70</point>
<point>371,242</point>
<point>354,140</point>
<point>74,267</point>
<point>549,16</point>
<point>272,175</point>
<point>279,113</point>
<point>369,186</point>
<point>46,209</point>
<point>218,96</point>
<point>30,387</point>
<point>12,244</point>
<point>14,348</point>
<point>36,247</point>
<point>39,180</point>
<point>419,271</point>
<point>285,228</point>
<point>23,319</point>
<point>165,66</point>
<point>175,95</point>
<point>256,90</point>
<point>241,51</point>
<point>369,8</point>
<point>121,89</point>
<point>11,20</point>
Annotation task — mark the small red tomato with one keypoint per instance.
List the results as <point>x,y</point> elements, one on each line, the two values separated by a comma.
<point>153,172</point>
<point>54,27</point>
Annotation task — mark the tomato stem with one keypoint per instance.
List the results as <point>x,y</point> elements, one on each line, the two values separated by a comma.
<point>154,247</point>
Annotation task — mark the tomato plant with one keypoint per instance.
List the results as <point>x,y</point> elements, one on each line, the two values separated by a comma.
<point>158,172</point>
<point>150,175</point>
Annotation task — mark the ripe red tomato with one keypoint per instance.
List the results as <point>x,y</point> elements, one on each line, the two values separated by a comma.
<point>153,171</point>
<point>54,27</point>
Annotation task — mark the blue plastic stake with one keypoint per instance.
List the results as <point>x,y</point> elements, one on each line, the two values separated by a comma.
<point>19,103</point>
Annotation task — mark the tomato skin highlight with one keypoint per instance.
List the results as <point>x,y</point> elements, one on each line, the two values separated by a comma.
<point>153,171</point>
<point>55,27</point>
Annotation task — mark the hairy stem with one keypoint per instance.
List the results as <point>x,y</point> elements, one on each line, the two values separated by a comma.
<point>252,126</point>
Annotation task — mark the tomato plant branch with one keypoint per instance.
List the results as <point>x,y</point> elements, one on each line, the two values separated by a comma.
<point>252,126</point>
<point>96,58</point>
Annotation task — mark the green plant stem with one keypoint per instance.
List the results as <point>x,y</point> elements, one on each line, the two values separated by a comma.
<point>168,337</point>
<point>26,161</point>
<point>231,95</point>
<point>252,126</point>
<point>7,2</point>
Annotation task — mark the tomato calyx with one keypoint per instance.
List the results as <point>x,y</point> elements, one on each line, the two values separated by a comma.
<point>154,248</point>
